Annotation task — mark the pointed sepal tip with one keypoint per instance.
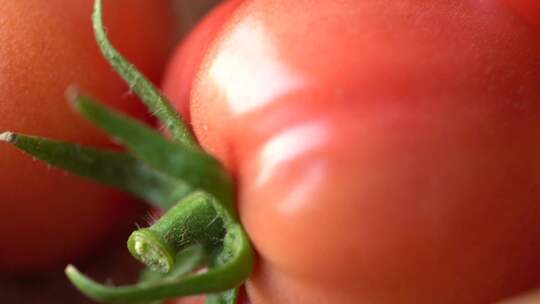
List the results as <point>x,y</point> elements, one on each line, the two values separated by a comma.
<point>8,137</point>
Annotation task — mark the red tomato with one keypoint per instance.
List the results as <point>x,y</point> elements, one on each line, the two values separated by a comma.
<point>45,46</point>
<point>385,153</point>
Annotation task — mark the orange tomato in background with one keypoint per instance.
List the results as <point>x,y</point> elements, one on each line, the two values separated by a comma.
<point>50,217</point>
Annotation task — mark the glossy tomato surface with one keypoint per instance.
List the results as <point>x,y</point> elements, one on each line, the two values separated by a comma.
<point>531,298</point>
<point>385,152</point>
<point>184,65</point>
<point>49,216</point>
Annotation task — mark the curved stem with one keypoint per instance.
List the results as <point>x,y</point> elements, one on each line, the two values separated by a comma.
<point>151,96</point>
<point>207,218</point>
<point>192,221</point>
<point>233,265</point>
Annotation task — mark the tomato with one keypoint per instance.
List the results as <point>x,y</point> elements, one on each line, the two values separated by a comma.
<point>385,153</point>
<point>50,217</point>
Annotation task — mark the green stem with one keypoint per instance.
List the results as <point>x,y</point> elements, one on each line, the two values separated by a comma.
<point>111,168</point>
<point>189,260</point>
<point>192,221</point>
<point>148,93</point>
<point>227,297</point>
<point>232,265</point>
<point>197,169</point>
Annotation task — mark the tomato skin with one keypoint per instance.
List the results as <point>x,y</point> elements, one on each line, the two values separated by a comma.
<point>529,10</point>
<point>51,217</point>
<point>182,69</point>
<point>385,153</point>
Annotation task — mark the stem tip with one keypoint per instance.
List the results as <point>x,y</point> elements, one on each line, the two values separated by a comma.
<point>146,247</point>
<point>8,137</point>
<point>72,93</point>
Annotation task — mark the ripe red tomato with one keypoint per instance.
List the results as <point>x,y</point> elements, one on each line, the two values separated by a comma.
<point>385,153</point>
<point>45,46</point>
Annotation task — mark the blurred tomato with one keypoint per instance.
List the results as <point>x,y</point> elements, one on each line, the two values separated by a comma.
<point>51,217</point>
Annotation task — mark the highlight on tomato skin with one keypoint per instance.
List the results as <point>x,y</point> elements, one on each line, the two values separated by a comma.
<point>52,217</point>
<point>529,298</point>
<point>394,146</point>
<point>184,64</point>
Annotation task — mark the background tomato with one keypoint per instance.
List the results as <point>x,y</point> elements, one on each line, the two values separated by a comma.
<point>385,153</point>
<point>45,46</point>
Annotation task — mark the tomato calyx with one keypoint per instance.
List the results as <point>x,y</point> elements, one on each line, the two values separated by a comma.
<point>200,229</point>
